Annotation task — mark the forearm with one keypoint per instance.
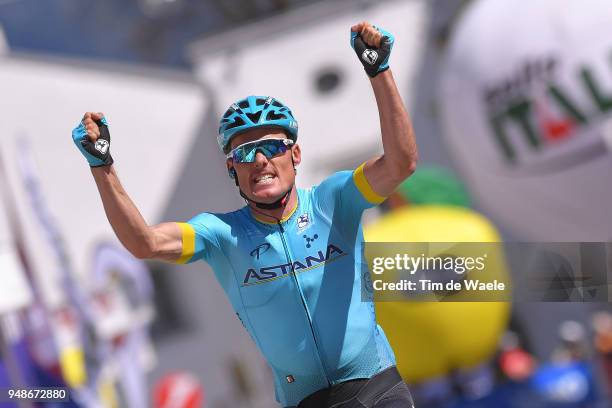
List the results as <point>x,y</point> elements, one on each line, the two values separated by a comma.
<point>399,145</point>
<point>125,219</point>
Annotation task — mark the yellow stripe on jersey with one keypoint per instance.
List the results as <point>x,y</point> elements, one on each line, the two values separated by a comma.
<point>188,242</point>
<point>364,186</point>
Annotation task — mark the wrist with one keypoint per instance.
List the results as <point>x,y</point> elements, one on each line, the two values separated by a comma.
<point>103,171</point>
<point>382,77</point>
<point>107,162</point>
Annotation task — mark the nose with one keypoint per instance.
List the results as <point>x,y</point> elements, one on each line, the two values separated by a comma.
<point>260,160</point>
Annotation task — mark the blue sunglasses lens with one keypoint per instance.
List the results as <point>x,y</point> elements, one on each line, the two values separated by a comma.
<point>269,148</point>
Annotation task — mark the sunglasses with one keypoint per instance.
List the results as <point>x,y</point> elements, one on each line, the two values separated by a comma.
<point>245,153</point>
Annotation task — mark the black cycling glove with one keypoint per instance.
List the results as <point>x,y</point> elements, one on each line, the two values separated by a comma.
<point>374,60</point>
<point>98,153</point>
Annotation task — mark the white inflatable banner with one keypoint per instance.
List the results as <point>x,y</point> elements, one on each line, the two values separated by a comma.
<point>526,97</point>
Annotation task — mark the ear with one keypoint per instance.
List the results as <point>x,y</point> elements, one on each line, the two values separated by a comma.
<point>296,154</point>
<point>230,168</point>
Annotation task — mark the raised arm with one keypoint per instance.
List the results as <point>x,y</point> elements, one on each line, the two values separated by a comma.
<point>163,241</point>
<point>400,155</point>
<point>386,172</point>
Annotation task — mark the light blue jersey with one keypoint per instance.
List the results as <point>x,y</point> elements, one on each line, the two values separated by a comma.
<point>312,326</point>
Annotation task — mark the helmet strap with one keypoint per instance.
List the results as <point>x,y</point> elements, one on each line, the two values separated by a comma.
<point>280,203</point>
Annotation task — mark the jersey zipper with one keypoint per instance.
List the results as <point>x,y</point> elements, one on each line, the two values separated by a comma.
<point>304,304</point>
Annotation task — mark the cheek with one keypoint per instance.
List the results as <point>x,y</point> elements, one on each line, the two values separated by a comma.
<point>243,176</point>
<point>286,174</point>
<point>284,166</point>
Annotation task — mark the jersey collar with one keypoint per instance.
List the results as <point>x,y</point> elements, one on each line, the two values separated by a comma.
<point>259,218</point>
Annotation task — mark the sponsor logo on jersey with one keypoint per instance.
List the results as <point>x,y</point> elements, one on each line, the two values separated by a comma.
<point>303,222</point>
<point>269,273</point>
<point>310,240</point>
<point>260,250</point>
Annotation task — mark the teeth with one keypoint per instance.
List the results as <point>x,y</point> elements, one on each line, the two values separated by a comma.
<point>267,178</point>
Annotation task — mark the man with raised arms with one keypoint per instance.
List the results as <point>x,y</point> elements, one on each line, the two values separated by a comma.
<point>290,261</point>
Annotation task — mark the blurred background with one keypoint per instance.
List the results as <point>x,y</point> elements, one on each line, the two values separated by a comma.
<point>512,107</point>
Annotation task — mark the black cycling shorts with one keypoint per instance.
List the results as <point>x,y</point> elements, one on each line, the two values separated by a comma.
<point>384,390</point>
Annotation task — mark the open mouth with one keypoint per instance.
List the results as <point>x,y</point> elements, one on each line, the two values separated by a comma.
<point>264,179</point>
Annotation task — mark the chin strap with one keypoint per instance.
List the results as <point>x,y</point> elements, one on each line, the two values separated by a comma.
<point>281,202</point>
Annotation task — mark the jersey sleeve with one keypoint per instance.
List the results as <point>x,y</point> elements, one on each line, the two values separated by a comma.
<point>346,192</point>
<point>198,235</point>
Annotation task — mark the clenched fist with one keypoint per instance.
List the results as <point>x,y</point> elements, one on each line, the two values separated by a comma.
<point>373,47</point>
<point>92,138</point>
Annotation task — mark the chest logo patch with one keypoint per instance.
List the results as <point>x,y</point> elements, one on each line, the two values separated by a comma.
<point>303,222</point>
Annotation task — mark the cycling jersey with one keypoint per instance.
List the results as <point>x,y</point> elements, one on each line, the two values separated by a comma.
<point>313,325</point>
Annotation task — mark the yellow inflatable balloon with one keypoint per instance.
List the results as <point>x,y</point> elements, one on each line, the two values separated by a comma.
<point>432,339</point>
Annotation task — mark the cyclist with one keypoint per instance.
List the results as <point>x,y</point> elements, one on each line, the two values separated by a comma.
<point>291,260</point>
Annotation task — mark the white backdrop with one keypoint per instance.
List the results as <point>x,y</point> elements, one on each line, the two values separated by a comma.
<point>337,130</point>
<point>153,120</point>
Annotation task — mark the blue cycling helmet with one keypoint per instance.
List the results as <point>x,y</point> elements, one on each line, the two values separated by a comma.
<point>255,112</point>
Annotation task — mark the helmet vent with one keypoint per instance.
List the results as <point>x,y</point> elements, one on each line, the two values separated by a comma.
<point>254,116</point>
<point>243,104</point>
<point>277,104</point>
<point>259,101</point>
<point>274,116</point>
<point>237,122</point>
